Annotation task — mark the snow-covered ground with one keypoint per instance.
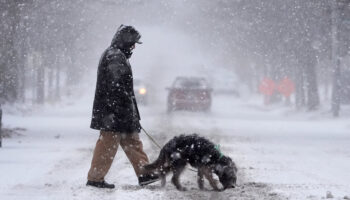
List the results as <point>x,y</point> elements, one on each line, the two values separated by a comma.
<point>280,154</point>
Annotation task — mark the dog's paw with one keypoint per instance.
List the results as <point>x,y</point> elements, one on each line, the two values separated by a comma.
<point>182,189</point>
<point>218,189</point>
<point>205,189</point>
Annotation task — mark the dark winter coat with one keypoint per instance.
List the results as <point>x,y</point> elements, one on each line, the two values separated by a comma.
<point>115,108</point>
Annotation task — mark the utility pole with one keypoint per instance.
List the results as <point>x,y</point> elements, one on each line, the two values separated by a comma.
<point>0,126</point>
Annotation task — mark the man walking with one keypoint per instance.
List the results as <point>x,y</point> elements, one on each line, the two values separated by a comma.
<point>115,111</point>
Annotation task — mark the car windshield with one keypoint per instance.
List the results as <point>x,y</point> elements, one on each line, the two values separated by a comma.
<point>190,83</point>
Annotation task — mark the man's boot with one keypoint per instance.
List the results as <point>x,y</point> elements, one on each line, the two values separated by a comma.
<point>100,184</point>
<point>148,179</point>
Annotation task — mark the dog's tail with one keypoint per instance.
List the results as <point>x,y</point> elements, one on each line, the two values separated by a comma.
<point>157,163</point>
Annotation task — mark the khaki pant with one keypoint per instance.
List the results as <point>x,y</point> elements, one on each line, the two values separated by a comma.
<point>106,148</point>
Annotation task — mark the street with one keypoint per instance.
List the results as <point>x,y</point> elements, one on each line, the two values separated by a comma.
<point>279,156</point>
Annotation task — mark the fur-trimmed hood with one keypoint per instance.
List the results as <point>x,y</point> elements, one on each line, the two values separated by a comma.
<point>125,37</point>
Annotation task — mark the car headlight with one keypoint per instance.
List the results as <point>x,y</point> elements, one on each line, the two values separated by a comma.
<point>142,91</point>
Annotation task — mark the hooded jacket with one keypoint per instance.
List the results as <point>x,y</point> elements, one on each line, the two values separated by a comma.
<point>115,108</point>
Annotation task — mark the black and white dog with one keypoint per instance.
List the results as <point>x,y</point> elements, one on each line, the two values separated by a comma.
<point>200,153</point>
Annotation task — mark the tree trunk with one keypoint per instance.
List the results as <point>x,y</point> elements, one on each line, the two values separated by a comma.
<point>336,90</point>
<point>299,87</point>
<point>9,68</point>
<point>57,78</point>
<point>40,81</point>
<point>50,90</point>
<point>313,99</point>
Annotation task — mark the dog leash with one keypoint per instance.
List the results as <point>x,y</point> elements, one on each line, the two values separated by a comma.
<point>154,142</point>
<point>151,138</point>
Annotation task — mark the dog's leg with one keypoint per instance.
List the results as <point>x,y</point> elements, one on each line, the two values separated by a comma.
<point>163,174</point>
<point>175,179</point>
<point>208,174</point>
<point>200,179</point>
<point>163,180</point>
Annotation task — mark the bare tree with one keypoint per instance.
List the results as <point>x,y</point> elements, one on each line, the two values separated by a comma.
<point>8,61</point>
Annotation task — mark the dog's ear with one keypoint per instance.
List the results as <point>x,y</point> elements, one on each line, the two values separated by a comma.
<point>233,165</point>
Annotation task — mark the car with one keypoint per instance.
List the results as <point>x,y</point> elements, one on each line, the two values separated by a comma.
<point>189,93</point>
<point>141,91</point>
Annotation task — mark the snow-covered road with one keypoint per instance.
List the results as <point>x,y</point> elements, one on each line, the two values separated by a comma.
<point>280,155</point>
